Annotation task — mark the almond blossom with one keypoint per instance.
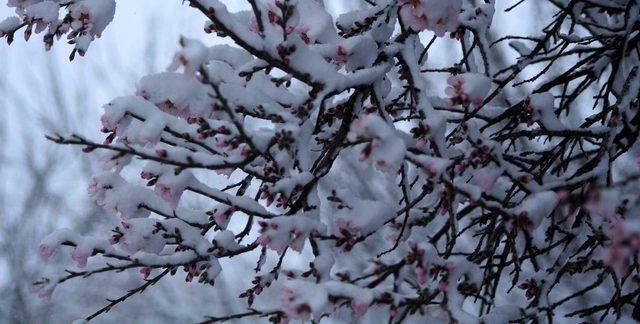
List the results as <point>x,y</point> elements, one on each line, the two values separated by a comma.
<point>439,16</point>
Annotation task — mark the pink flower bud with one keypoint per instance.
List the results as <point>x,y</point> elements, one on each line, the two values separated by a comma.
<point>161,153</point>
<point>45,250</point>
<point>145,271</point>
<point>342,51</point>
<point>80,256</point>
<point>359,307</point>
<point>442,286</point>
<point>421,274</point>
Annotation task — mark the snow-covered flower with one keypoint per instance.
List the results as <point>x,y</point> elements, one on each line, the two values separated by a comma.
<point>383,145</point>
<point>80,255</point>
<point>439,16</point>
<point>467,88</point>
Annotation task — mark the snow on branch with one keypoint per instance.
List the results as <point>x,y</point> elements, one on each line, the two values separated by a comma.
<point>471,204</point>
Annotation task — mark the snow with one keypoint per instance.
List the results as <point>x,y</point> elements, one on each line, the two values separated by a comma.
<point>176,94</point>
<point>537,206</point>
<point>543,107</point>
<point>100,14</point>
<point>46,11</point>
<point>9,24</point>
<point>283,232</point>
<point>331,136</point>
<point>467,88</point>
<point>385,148</point>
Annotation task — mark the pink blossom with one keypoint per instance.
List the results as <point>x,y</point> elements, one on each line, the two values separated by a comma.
<point>449,265</point>
<point>273,14</point>
<point>439,16</point>
<point>289,29</point>
<point>415,15</point>
<point>442,286</point>
<point>393,311</point>
<point>145,271</point>
<point>108,124</point>
<point>165,192</point>
<point>382,144</point>
<point>253,25</point>
<point>113,239</point>
<point>223,215</point>
<point>146,175</point>
<point>466,89</point>
<point>421,274</point>
<point>161,153</point>
<point>45,250</point>
<point>359,306</point>
<point>263,240</point>
<point>221,144</point>
<point>80,256</point>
